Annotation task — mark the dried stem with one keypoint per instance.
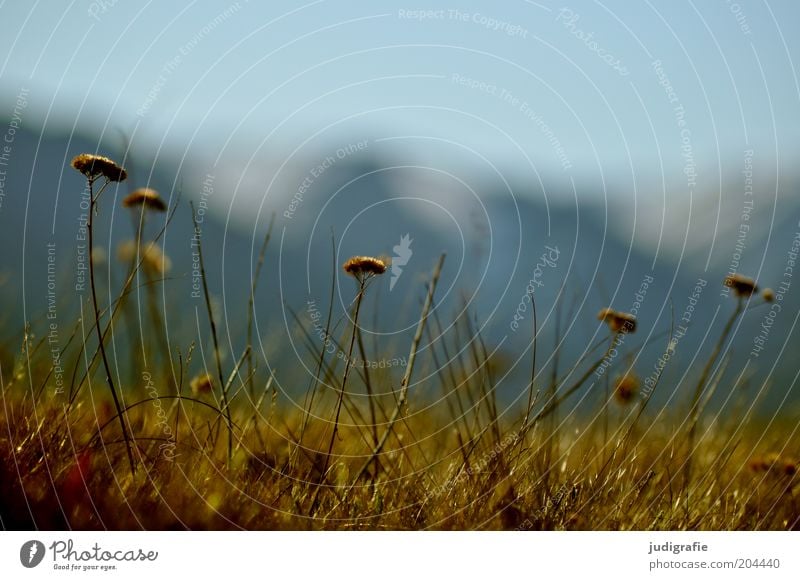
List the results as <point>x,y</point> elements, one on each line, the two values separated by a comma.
<point>109,378</point>
<point>217,356</point>
<point>407,376</point>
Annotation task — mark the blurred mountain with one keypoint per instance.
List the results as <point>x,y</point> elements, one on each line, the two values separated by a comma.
<point>577,253</point>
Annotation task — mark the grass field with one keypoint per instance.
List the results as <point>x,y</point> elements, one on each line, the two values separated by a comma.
<point>223,449</point>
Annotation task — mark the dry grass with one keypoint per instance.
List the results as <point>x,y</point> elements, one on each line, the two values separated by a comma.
<point>220,449</point>
<point>54,477</point>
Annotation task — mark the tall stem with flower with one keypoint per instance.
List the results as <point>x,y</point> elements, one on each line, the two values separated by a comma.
<point>95,167</point>
<point>363,269</point>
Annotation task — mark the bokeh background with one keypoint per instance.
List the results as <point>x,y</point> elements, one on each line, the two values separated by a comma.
<point>592,147</point>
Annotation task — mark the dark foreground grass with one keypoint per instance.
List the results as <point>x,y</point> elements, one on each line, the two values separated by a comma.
<point>57,473</point>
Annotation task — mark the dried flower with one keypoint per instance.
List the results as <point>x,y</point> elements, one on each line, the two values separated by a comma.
<point>758,465</point>
<point>144,196</point>
<point>626,388</point>
<point>742,285</point>
<point>126,251</point>
<point>774,464</point>
<point>93,166</point>
<point>765,463</point>
<point>618,321</point>
<point>363,267</point>
<point>768,294</point>
<point>202,384</point>
<point>99,255</point>
<point>153,258</point>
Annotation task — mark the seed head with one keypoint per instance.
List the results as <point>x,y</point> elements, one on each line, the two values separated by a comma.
<point>742,285</point>
<point>153,258</point>
<point>626,388</point>
<point>768,294</point>
<point>99,255</point>
<point>618,321</point>
<point>144,196</point>
<point>202,384</point>
<point>362,267</point>
<point>758,465</point>
<point>774,464</point>
<point>93,166</point>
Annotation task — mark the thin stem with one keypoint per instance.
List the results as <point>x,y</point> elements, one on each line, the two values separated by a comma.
<point>251,307</point>
<point>106,365</point>
<point>217,357</point>
<point>308,403</point>
<point>529,408</point>
<point>407,376</point>
<point>553,405</point>
<point>694,414</point>
<point>347,366</point>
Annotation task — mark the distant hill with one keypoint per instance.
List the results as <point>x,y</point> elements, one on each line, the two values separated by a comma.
<point>496,244</point>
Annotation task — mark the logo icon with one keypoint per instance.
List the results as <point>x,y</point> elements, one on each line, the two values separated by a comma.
<point>402,254</point>
<point>31,553</point>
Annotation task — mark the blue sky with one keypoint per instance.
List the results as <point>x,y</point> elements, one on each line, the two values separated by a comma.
<point>570,84</point>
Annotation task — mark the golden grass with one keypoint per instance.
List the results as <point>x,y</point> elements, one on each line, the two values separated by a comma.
<point>428,479</point>
<point>223,450</point>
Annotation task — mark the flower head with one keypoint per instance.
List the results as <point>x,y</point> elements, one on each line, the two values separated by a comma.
<point>363,267</point>
<point>618,321</point>
<point>144,196</point>
<point>768,294</point>
<point>742,285</point>
<point>152,257</point>
<point>93,166</point>
<point>626,388</point>
<point>99,255</point>
<point>758,464</point>
<point>202,384</point>
<point>773,463</point>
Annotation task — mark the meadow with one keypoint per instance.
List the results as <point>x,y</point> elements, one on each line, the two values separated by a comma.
<point>86,445</point>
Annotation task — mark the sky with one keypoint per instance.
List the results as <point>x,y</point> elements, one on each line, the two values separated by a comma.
<point>587,90</point>
<point>653,111</point>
